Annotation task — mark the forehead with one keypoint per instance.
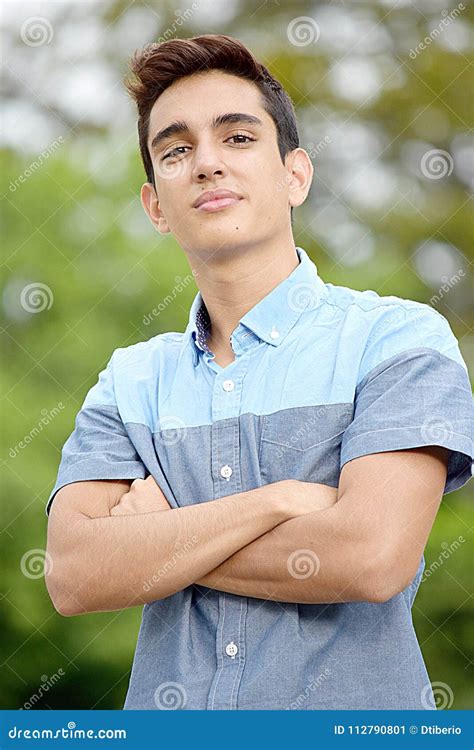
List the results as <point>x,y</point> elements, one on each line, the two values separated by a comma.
<point>198,98</point>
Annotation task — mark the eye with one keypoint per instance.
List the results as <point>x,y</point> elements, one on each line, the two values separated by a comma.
<point>173,152</point>
<point>176,151</point>
<point>241,135</point>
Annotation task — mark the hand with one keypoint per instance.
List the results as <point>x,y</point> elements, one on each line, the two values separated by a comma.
<point>307,497</point>
<point>144,496</point>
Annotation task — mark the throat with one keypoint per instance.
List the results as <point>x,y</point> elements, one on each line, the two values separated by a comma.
<point>223,355</point>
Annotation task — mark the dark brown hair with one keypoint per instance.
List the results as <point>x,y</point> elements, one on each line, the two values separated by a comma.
<point>156,66</point>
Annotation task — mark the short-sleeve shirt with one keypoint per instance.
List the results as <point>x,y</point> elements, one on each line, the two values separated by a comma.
<point>322,374</point>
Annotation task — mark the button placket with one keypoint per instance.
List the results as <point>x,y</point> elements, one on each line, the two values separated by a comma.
<point>225,457</point>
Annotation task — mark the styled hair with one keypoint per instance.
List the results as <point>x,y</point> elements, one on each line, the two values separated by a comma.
<point>156,66</point>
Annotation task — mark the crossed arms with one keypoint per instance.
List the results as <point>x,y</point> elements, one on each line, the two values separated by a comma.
<point>110,547</point>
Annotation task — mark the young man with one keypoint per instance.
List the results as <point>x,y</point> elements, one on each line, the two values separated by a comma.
<point>289,450</point>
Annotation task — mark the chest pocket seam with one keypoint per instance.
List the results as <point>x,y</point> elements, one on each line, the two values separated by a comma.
<point>272,423</point>
<point>301,450</point>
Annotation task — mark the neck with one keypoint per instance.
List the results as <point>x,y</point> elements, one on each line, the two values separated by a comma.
<point>231,288</point>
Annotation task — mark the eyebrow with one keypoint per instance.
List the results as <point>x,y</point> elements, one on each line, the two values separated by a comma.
<point>180,127</point>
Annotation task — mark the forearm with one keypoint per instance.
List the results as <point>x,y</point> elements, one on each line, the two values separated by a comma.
<point>122,561</point>
<point>314,558</point>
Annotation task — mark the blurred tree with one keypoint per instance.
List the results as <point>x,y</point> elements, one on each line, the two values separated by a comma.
<point>386,123</point>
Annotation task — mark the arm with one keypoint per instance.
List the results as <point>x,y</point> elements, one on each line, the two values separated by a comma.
<point>115,561</point>
<point>366,547</point>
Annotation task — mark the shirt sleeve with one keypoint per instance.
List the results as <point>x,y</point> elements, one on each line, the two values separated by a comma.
<point>99,446</point>
<point>414,391</point>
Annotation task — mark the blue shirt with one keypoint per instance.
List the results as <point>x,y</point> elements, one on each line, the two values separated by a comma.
<point>322,374</point>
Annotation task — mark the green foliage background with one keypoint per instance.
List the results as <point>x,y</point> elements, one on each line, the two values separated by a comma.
<point>76,225</point>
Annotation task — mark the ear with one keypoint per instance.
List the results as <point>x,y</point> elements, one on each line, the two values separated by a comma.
<point>299,176</point>
<point>150,203</point>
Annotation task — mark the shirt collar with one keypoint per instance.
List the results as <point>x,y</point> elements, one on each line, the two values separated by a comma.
<point>274,316</point>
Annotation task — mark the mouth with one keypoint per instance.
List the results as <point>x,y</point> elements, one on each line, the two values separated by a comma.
<point>217,204</point>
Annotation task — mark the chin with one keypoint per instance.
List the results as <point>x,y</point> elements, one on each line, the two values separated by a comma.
<point>213,243</point>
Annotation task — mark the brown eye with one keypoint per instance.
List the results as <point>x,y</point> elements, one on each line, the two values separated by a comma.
<point>241,135</point>
<point>173,152</point>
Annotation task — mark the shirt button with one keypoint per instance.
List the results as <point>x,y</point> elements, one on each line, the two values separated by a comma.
<point>228,385</point>
<point>231,649</point>
<point>226,472</point>
<point>274,334</point>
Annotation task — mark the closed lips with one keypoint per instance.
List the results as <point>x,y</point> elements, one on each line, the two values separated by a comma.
<point>214,195</point>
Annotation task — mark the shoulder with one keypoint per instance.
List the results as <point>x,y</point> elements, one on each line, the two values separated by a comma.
<point>384,326</point>
<point>145,354</point>
<point>138,363</point>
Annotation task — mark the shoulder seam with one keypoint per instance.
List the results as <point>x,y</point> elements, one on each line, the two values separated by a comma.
<point>381,303</point>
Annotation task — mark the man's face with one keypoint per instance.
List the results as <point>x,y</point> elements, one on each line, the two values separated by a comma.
<point>242,157</point>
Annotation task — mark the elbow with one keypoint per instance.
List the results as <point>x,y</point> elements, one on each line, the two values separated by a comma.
<point>59,584</point>
<point>64,608</point>
<point>62,603</point>
<point>388,577</point>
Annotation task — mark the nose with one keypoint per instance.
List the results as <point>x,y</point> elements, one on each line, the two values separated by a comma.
<point>207,164</point>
